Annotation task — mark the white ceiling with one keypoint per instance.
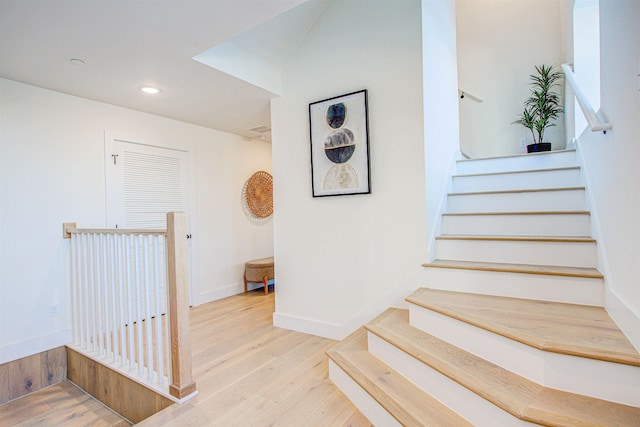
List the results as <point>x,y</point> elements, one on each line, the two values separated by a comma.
<point>126,44</point>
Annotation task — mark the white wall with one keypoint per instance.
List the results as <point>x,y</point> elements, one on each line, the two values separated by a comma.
<point>52,171</point>
<point>611,162</point>
<point>499,43</point>
<point>340,259</point>
<point>441,128</point>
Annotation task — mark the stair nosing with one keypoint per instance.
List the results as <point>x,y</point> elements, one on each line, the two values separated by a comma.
<point>550,270</point>
<point>350,369</point>
<point>550,239</point>
<point>375,328</point>
<point>517,213</point>
<point>446,368</point>
<point>518,171</point>
<point>515,156</point>
<point>341,359</point>
<point>524,190</point>
<point>526,338</point>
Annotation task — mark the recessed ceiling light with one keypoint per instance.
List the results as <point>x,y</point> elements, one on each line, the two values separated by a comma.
<point>150,89</point>
<point>76,61</point>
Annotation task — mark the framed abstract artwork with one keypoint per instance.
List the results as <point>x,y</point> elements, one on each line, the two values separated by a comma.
<point>339,133</point>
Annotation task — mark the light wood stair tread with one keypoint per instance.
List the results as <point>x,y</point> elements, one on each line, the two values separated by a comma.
<point>407,403</point>
<point>513,156</point>
<point>576,330</point>
<point>517,171</point>
<point>561,408</point>
<point>558,239</point>
<point>516,213</point>
<point>550,270</point>
<point>520,397</point>
<point>524,190</point>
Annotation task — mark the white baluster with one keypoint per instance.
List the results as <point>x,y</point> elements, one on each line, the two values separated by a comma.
<point>101,295</point>
<point>92,307</point>
<point>121,297</point>
<point>130,324</point>
<point>107,287</point>
<point>139,306</point>
<point>148,310</point>
<point>159,310</point>
<point>82,290</point>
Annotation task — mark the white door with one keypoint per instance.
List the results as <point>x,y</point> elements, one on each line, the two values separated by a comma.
<point>143,183</point>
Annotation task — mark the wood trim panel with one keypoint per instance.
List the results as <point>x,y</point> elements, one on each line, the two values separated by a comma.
<point>182,383</point>
<point>4,383</point>
<point>28,374</point>
<point>125,396</point>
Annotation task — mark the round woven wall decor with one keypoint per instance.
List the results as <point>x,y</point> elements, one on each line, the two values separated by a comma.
<point>257,196</point>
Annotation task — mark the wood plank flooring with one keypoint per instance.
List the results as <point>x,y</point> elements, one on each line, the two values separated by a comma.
<point>62,404</point>
<point>248,373</point>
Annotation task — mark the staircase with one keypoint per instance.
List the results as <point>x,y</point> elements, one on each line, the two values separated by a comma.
<point>511,329</point>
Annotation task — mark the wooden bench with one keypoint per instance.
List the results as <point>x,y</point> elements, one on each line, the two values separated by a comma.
<point>259,271</point>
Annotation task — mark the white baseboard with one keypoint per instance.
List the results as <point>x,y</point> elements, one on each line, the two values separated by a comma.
<point>227,291</point>
<point>627,320</point>
<point>308,326</point>
<point>392,298</point>
<point>34,346</point>
<point>216,294</point>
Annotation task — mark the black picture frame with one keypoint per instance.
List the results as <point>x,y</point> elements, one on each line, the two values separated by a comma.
<point>339,136</point>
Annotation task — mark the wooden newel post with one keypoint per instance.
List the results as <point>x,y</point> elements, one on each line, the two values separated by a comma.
<point>182,383</point>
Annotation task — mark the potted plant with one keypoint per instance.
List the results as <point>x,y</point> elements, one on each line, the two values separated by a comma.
<point>542,107</point>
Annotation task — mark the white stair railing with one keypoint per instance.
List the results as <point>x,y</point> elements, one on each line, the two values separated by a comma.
<point>597,123</point>
<point>129,307</point>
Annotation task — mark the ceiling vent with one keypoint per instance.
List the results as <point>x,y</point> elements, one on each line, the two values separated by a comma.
<point>260,129</point>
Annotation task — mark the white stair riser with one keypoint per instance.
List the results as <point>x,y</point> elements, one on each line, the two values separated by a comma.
<point>371,409</point>
<point>478,411</point>
<point>568,254</point>
<point>573,290</point>
<point>555,225</point>
<point>509,164</point>
<point>557,178</point>
<point>537,201</point>
<point>595,378</point>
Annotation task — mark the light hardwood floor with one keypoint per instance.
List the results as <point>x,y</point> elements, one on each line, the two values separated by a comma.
<point>62,404</point>
<point>248,373</point>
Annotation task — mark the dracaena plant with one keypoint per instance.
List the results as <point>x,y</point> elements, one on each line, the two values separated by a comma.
<point>543,106</point>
